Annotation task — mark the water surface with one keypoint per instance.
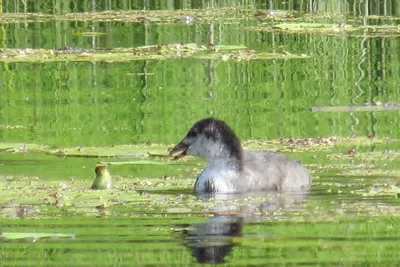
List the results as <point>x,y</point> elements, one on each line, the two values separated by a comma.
<point>151,216</point>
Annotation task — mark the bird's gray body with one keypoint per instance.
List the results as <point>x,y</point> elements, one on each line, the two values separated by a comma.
<point>232,170</point>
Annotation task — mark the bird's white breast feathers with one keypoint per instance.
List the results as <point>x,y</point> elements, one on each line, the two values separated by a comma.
<point>217,179</point>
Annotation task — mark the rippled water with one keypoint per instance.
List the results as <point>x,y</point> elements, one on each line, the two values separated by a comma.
<point>151,216</point>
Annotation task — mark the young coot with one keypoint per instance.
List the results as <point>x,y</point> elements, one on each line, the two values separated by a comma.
<point>231,169</point>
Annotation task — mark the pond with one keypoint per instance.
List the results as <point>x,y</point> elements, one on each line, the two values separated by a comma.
<point>122,82</point>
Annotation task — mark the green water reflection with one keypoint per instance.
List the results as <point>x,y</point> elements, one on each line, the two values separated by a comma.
<point>68,104</point>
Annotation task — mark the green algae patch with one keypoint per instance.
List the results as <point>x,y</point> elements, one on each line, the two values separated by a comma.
<point>11,127</point>
<point>389,106</point>
<point>336,168</point>
<point>317,144</point>
<point>139,162</point>
<point>116,151</point>
<point>185,16</point>
<point>366,156</point>
<point>29,197</point>
<point>332,28</point>
<point>158,153</point>
<point>22,147</point>
<point>152,52</point>
<point>315,27</point>
<point>392,190</point>
<point>33,237</point>
<point>89,34</point>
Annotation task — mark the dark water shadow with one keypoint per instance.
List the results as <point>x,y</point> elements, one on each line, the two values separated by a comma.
<point>213,241</point>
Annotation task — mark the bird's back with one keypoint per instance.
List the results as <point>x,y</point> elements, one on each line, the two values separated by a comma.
<point>266,170</point>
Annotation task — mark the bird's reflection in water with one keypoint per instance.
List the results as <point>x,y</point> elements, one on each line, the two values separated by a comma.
<point>212,241</point>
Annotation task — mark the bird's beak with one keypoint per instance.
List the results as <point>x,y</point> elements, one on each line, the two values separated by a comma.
<point>181,147</point>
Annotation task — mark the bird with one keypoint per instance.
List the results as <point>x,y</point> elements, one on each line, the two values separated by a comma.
<point>231,169</point>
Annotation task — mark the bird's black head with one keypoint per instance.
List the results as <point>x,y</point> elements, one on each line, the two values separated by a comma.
<point>209,137</point>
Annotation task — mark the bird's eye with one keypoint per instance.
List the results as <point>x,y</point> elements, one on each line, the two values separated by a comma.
<point>191,134</point>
